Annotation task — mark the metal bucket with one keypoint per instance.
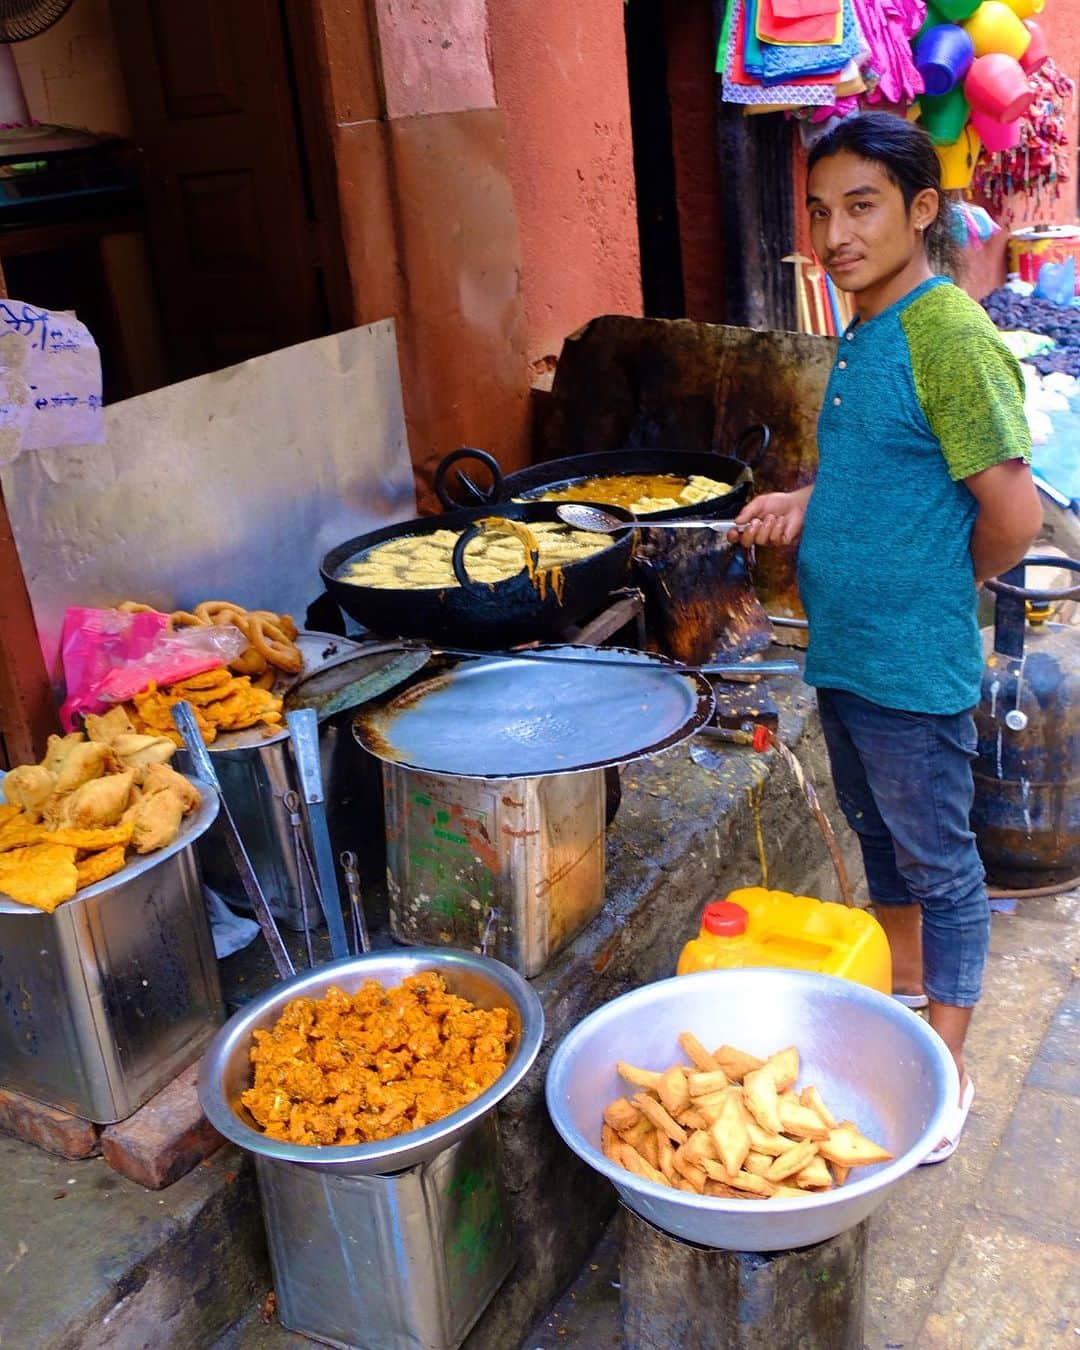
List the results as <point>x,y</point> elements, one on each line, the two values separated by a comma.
<point>255,772</point>
<point>106,1000</point>
<point>513,866</point>
<point>400,1243</point>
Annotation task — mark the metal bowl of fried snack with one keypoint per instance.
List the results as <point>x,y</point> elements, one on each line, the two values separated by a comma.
<point>353,1064</point>
<point>752,1110</point>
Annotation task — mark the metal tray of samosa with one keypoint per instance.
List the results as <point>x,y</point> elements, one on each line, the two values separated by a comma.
<point>192,827</point>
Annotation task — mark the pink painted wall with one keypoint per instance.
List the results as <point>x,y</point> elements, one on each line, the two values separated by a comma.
<point>698,189</point>
<point>434,56</point>
<point>560,81</point>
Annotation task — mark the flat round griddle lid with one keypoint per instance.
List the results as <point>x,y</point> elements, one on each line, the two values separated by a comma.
<point>501,718</point>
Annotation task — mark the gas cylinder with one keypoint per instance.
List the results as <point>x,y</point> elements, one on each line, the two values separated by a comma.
<point>1026,814</point>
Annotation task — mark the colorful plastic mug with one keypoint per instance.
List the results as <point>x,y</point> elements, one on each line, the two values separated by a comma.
<point>958,10</point>
<point>943,56</point>
<point>996,136</point>
<point>1024,9</point>
<point>1038,53</point>
<point>944,118</point>
<point>934,17</point>
<point>995,28</point>
<point>958,161</point>
<point>997,87</point>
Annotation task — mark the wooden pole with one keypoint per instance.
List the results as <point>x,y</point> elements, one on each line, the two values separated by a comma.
<point>27,711</point>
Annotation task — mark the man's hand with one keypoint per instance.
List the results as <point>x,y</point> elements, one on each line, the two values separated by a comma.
<point>1010,516</point>
<point>772,518</point>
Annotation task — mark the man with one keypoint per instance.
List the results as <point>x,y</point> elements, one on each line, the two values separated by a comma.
<point>922,492</point>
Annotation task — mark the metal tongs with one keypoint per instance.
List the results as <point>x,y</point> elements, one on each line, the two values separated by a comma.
<point>201,762</point>
<point>304,729</point>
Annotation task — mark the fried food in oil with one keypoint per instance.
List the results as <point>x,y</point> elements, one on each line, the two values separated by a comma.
<point>41,875</point>
<point>721,1142</point>
<point>348,1070</point>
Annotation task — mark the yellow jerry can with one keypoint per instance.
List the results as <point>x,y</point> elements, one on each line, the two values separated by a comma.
<point>757,927</point>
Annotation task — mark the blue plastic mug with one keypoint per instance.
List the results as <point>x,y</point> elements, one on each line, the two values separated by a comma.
<point>943,56</point>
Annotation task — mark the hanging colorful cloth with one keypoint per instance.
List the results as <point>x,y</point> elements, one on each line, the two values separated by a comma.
<point>889,26</point>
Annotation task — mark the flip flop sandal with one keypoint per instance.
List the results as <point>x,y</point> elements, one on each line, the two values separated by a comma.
<point>914,1001</point>
<point>947,1147</point>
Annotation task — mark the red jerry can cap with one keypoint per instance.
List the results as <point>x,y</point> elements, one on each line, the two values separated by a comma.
<point>724,918</point>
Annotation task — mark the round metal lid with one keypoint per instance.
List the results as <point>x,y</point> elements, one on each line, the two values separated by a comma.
<point>506,718</point>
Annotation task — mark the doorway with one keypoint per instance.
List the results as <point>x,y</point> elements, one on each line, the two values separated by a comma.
<point>228,246</point>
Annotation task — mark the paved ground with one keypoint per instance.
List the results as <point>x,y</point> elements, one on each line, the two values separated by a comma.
<point>981,1252</point>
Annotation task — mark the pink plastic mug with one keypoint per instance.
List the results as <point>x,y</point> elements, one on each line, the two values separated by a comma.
<point>997,87</point>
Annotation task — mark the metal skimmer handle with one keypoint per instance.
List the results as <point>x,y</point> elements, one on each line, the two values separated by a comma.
<point>188,728</point>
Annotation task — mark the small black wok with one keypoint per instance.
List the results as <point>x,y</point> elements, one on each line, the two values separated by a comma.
<point>558,473</point>
<point>488,615</point>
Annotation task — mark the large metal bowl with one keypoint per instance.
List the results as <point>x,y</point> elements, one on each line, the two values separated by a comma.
<point>874,1061</point>
<point>226,1068</point>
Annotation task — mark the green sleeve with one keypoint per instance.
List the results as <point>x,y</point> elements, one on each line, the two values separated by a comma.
<point>970,386</point>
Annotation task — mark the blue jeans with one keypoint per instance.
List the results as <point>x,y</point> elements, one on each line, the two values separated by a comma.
<point>904,784</point>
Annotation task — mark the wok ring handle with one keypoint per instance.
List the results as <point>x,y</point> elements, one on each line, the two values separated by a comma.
<point>1000,587</point>
<point>745,440</point>
<point>458,561</point>
<point>478,494</point>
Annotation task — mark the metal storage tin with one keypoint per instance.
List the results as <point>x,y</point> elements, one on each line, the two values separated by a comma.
<point>397,1244</point>
<point>389,1262</point>
<point>515,866</point>
<point>106,1000</point>
<point>255,771</point>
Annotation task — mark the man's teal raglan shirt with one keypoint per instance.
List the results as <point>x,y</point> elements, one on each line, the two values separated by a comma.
<point>920,397</point>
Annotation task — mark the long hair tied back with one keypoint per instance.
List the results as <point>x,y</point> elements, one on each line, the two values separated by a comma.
<point>909,159</point>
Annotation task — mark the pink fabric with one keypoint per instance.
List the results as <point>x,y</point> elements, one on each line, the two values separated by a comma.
<point>889,26</point>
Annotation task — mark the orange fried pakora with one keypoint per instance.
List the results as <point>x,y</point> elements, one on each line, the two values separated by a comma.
<point>381,1062</point>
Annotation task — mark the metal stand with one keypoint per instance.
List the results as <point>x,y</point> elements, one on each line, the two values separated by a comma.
<point>698,1298</point>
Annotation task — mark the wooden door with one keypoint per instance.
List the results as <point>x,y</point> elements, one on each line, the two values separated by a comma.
<point>230,213</point>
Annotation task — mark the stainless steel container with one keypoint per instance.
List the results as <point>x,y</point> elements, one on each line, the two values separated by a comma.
<point>515,866</point>
<point>390,1262</point>
<point>106,1000</point>
<point>874,1062</point>
<point>397,1244</point>
<point>255,772</point>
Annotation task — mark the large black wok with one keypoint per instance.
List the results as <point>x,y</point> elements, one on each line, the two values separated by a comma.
<point>575,469</point>
<point>478,614</point>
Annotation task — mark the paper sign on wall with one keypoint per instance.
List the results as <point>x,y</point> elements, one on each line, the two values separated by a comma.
<point>50,381</point>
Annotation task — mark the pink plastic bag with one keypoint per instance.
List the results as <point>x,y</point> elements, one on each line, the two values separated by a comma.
<point>110,656</point>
